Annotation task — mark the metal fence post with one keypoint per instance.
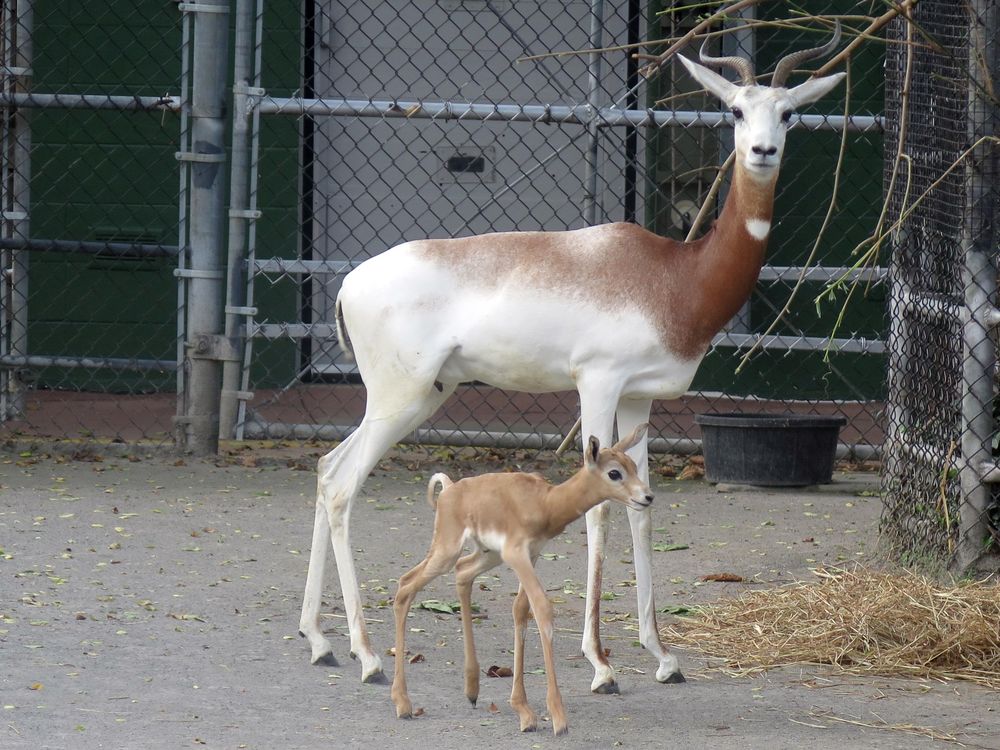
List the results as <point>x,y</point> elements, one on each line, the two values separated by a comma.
<point>590,207</point>
<point>205,271</point>
<point>980,278</point>
<point>16,211</point>
<point>239,217</point>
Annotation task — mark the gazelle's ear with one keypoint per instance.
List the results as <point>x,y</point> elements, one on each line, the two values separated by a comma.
<point>633,439</point>
<point>711,80</point>
<point>591,451</point>
<point>811,90</point>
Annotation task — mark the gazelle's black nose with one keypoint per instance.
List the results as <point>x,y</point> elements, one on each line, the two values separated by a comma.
<point>649,499</point>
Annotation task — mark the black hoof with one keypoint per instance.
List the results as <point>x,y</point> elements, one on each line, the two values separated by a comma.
<point>473,701</point>
<point>376,678</point>
<point>301,634</point>
<point>608,688</point>
<point>327,660</point>
<point>674,679</point>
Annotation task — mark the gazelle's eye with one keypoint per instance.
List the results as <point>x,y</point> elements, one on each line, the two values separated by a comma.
<point>786,116</point>
<point>614,475</point>
<point>737,113</point>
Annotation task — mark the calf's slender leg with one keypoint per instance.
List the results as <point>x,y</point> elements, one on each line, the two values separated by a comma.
<point>466,570</point>
<point>541,607</point>
<point>437,562</point>
<point>518,698</point>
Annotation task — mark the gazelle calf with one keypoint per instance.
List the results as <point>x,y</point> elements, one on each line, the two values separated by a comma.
<point>510,517</point>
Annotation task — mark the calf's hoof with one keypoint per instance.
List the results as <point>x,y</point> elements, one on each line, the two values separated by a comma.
<point>674,679</point>
<point>404,712</point>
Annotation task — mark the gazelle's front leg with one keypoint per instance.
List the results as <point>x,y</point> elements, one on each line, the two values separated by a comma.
<point>597,408</point>
<point>541,607</point>
<point>630,414</point>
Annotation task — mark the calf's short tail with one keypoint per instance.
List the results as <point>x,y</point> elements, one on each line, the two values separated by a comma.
<point>440,478</point>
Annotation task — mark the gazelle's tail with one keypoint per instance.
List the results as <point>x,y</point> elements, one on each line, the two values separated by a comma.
<point>342,336</point>
<point>440,478</point>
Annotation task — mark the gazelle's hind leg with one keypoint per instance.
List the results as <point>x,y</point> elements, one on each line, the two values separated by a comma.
<point>632,413</point>
<point>309,627</point>
<point>341,474</point>
<point>441,558</point>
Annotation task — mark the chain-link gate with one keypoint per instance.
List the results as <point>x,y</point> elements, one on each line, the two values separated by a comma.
<point>440,118</point>
<point>941,443</point>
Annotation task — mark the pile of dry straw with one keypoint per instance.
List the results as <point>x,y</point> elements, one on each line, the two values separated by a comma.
<point>860,621</point>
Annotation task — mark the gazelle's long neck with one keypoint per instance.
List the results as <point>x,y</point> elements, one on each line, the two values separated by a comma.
<point>729,257</point>
<point>568,501</point>
<point>734,251</point>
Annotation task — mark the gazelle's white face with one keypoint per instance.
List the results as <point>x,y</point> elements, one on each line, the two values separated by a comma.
<point>761,114</point>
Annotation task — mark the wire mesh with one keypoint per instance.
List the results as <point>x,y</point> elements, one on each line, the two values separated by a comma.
<point>90,233</point>
<point>394,145</point>
<point>942,360</point>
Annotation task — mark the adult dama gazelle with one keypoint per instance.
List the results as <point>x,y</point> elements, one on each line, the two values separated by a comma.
<point>510,517</point>
<point>614,311</point>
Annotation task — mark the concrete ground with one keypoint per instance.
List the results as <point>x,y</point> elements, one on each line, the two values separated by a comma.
<point>153,602</point>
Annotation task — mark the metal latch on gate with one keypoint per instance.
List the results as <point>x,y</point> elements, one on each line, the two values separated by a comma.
<point>215,347</point>
<point>202,158</point>
<point>202,8</point>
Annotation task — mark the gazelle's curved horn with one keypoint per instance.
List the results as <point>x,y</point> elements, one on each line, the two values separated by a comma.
<point>789,62</point>
<point>740,64</point>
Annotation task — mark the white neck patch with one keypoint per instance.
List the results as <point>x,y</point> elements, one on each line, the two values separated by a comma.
<point>758,228</point>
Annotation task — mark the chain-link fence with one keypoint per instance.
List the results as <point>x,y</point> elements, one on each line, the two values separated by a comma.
<point>365,124</point>
<point>440,118</point>
<point>354,126</point>
<point>941,442</point>
<point>90,308</point>
<point>136,306</point>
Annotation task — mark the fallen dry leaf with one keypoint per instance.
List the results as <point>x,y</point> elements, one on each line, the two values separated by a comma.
<point>691,471</point>
<point>723,578</point>
<point>494,709</point>
<point>495,671</point>
<point>416,658</point>
<point>418,712</point>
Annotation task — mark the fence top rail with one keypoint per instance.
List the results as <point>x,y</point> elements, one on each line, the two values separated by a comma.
<point>169,103</point>
<point>579,114</point>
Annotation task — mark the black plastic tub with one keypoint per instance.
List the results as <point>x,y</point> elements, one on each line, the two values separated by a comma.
<point>772,450</point>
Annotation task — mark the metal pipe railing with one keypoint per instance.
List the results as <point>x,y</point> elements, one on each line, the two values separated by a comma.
<point>538,113</point>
